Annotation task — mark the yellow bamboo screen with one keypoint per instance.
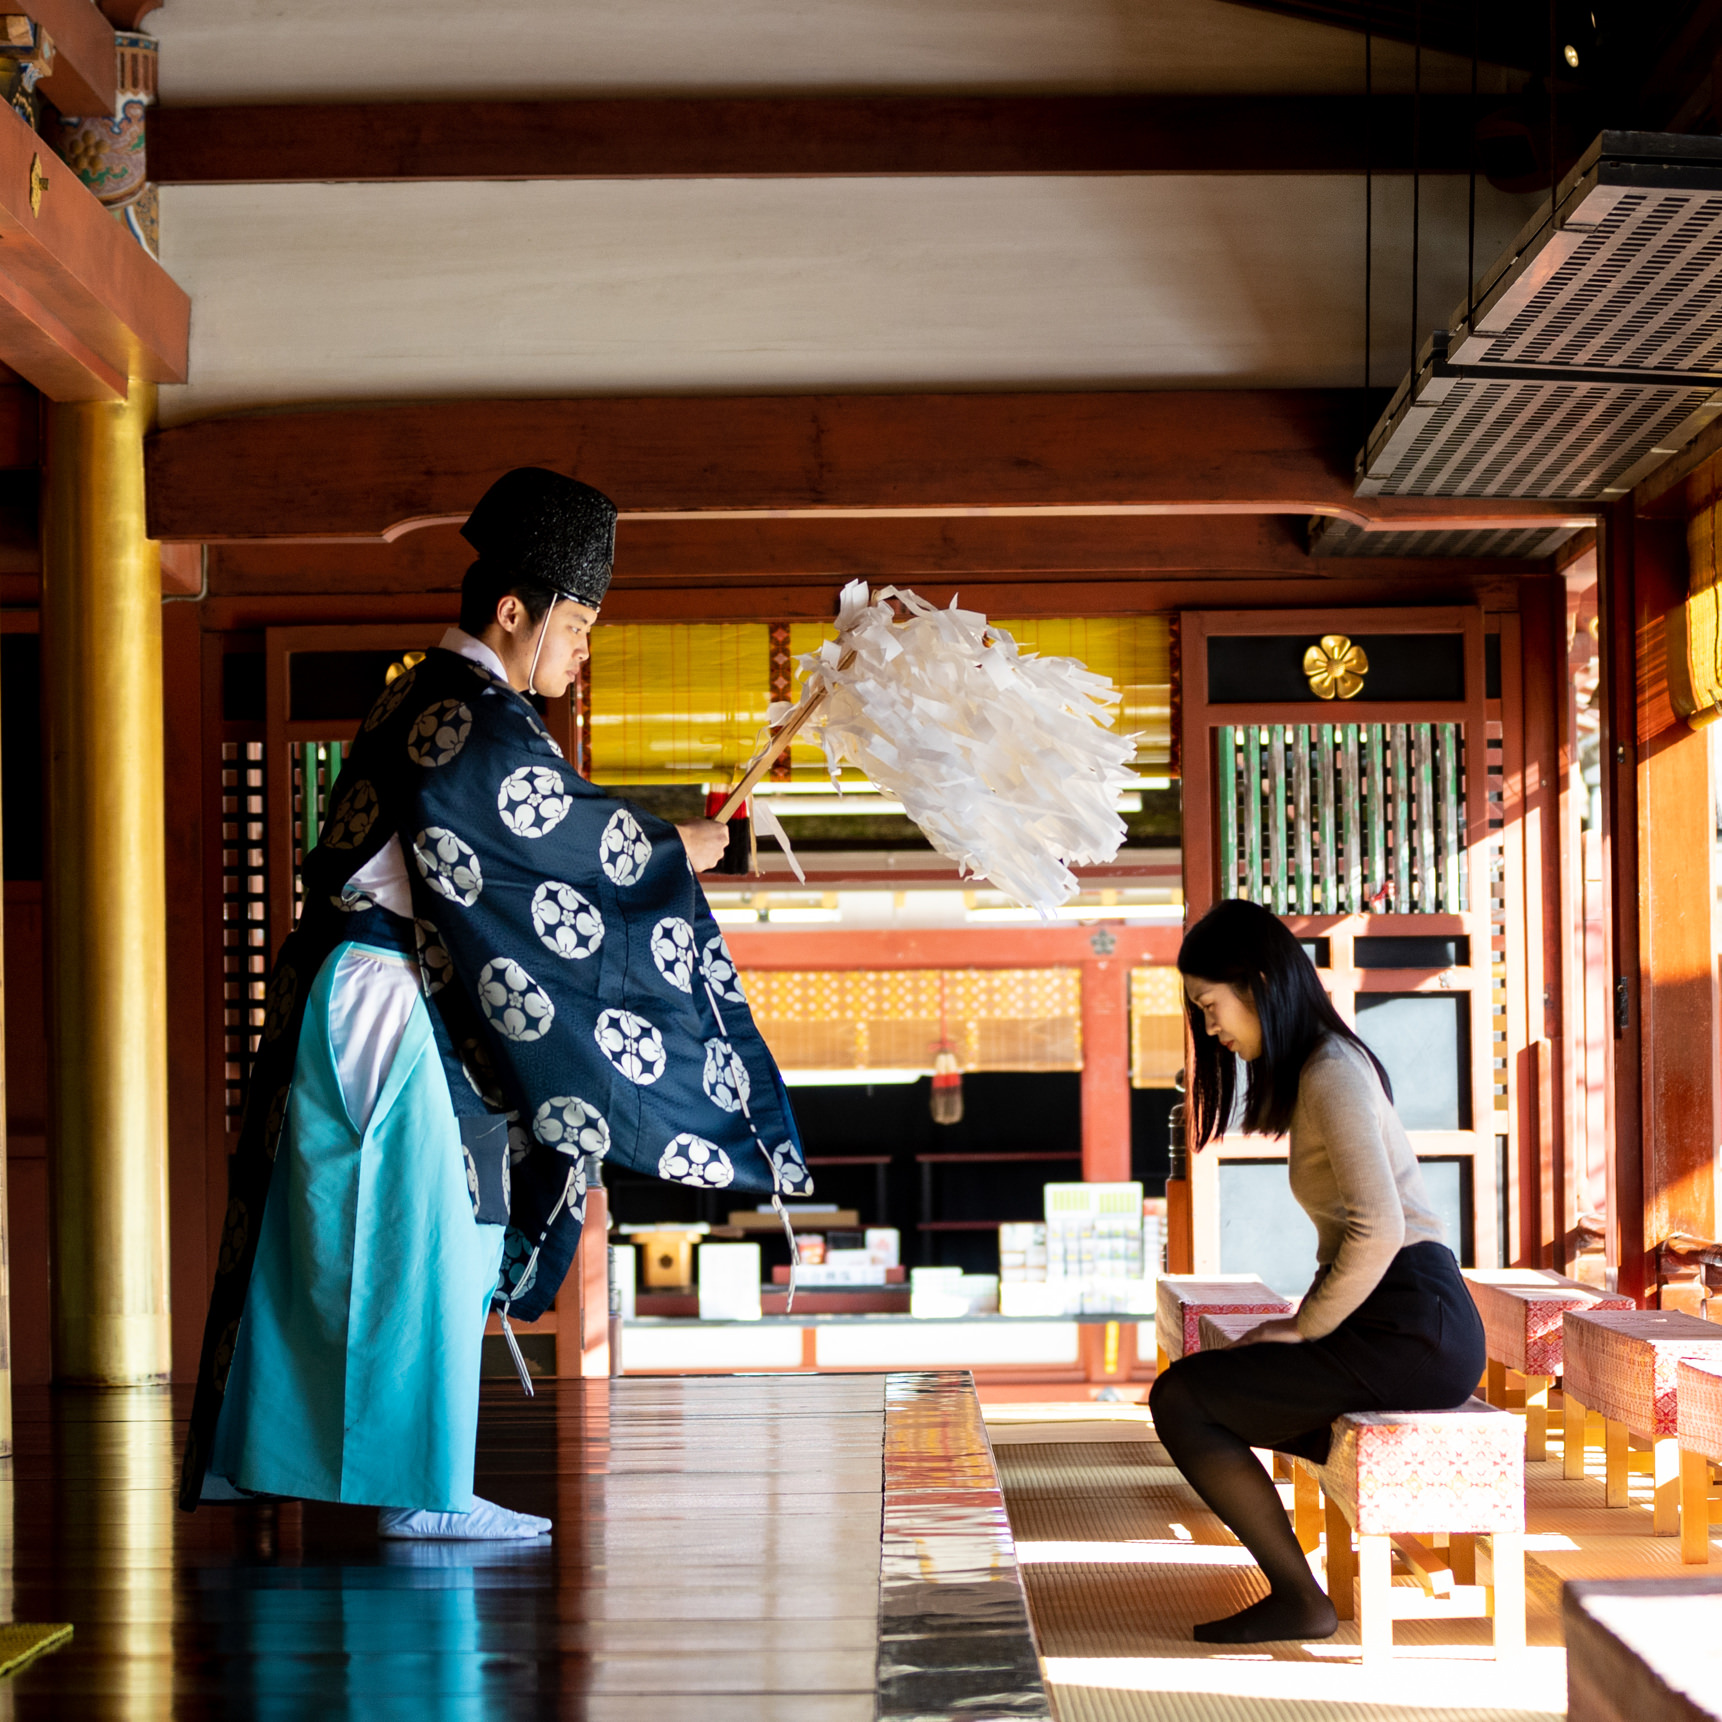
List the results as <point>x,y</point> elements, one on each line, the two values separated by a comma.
<point>676,702</point>
<point>1156,1027</point>
<point>685,702</point>
<point>1695,672</point>
<point>889,1019</point>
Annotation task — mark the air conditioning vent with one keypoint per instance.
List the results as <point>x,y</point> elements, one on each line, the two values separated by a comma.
<point>1330,537</point>
<point>1593,349</point>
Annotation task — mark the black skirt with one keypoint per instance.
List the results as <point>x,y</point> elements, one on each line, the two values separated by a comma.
<point>1414,1344</point>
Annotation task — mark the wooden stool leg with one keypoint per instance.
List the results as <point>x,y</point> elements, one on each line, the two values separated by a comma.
<point>1572,1436</point>
<point>1462,1557</point>
<point>1614,1452</point>
<point>1507,1550</point>
<point>1306,1507</point>
<point>1341,1562</point>
<point>1537,1417</point>
<point>1694,1509</point>
<point>1161,1360</point>
<point>1374,1601</point>
<point>1665,1506</point>
<point>1497,1379</point>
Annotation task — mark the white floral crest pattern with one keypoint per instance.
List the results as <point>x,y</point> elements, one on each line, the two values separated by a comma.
<point>390,700</point>
<point>624,848</point>
<point>718,967</point>
<point>518,1007</point>
<point>727,1083</point>
<point>673,952</point>
<point>632,1044</point>
<point>793,1178</point>
<point>691,1159</point>
<point>435,965</point>
<point>565,921</point>
<point>449,867</point>
<point>351,818</point>
<point>350,900</point>
<point>439,733</point>
<point>532,801</point>
<point>571,1125</point>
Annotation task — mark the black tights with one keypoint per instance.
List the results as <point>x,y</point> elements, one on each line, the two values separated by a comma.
<point>1220,1467</point>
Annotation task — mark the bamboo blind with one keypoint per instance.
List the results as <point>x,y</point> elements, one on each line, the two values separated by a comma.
<point>685,702</point>
<point>1156,1027</point>
<point>890,1019</point>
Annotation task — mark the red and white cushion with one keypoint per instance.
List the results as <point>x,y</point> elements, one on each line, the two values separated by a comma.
<point>1625,1363</point>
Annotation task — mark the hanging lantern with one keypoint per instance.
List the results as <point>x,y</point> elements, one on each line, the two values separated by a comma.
<point>947,1100</point>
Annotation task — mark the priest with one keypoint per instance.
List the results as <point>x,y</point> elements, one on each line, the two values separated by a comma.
<point>501,976</point>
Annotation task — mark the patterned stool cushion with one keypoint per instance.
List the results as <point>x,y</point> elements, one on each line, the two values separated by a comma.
<point>1522,1309</point>
<point>1181,1299</point>
<point>1220,1332</point>
<point>1624,1363</point>
<point>1460,1470</point>
<point>1699,1415</point>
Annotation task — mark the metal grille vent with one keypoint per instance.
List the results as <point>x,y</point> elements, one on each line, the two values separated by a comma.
<point>1330,537</point>
<point>1551,384</point>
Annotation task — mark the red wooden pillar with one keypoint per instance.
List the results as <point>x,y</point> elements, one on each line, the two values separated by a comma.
<point>1105,1070</point>
<point>1657,822</point>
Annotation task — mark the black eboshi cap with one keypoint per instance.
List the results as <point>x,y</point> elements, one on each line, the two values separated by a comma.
<point>548,528</point>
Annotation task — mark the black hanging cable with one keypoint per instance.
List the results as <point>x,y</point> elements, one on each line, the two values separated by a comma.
<point>1471,212</point>
<point>1368,193</point>
<point>1416,173</point>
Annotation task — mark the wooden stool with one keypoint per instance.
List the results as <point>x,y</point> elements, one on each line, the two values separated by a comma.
<point>1625,1363</point>
<point>1181,1299</point>
<point>1698,1430</point>
<point>1219,1332</point>
<point>1400,1478</point>
<point>1521,1310</point>
<point>1642,1650</point>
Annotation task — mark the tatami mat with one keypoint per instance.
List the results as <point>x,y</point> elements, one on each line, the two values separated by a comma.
<point>1120,1559</point>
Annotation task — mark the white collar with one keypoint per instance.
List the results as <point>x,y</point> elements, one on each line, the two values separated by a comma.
<point>457,640</point>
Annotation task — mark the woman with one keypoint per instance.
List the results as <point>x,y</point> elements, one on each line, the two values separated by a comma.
<point>1386,1324</point>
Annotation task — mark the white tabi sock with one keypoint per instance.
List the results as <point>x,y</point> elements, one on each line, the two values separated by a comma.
<point>486,1522</point>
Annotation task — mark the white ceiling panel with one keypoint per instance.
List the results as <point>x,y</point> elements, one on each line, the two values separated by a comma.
<point>265,50</point>
<point>364,292</point>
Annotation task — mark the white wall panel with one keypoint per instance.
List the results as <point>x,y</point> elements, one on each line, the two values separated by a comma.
<point>262,50</point>
<point>316,293</point>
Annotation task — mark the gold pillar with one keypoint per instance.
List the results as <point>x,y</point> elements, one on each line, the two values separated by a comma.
<point>104,898</point>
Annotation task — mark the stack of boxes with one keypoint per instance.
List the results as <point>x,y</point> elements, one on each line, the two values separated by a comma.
<point>1098,1253</point>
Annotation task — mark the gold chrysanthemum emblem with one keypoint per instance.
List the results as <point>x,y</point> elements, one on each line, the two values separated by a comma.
<point>1335,668</point>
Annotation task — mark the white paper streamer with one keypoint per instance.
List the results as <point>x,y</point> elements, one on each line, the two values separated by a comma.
<point>1005,761</point>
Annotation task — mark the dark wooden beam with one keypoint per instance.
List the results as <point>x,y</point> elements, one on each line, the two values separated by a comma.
<point>788,137</point>
<point>368,472</point>
<point>817,555</point>
<point>82,305</point>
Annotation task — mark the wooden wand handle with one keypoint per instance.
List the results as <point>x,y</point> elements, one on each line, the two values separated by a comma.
<point>781,738</point>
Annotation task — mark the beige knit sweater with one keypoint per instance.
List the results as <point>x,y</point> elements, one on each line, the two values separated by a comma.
<point>1354,1174</point>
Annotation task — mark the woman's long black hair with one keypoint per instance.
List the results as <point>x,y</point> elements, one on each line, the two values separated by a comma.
<point>1248,948</point>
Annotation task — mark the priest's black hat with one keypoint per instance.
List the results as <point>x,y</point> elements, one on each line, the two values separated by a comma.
<point>548,528</point>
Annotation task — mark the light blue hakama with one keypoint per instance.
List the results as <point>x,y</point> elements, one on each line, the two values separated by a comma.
<point>355,1371</point>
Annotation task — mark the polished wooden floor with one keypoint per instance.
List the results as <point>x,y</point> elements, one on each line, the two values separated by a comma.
<point>823,1548</point>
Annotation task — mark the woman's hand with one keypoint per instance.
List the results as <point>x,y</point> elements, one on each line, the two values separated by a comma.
<point>1276,1330</point>
<point>705,841</point>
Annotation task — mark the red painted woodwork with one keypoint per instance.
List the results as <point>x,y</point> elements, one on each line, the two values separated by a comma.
<point>1627,1245</point>
<point>26,1097</point>
<point>950,948</point>
<point>1105,1070</point>
<point>775,137</point>
<point>1678,1062</point>
<point>82,305</point>
<point>82,83</point>
<point>20,426</point>
<point>365,472</point>
<point>128,14</point>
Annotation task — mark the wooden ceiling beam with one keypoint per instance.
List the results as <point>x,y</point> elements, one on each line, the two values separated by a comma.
<point>82,82</point>
<point>368,472</point>
<point>790,137</point>
<point>82,305</point>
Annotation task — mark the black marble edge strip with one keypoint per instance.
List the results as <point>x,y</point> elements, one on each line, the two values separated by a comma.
<point>955,1637</point>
